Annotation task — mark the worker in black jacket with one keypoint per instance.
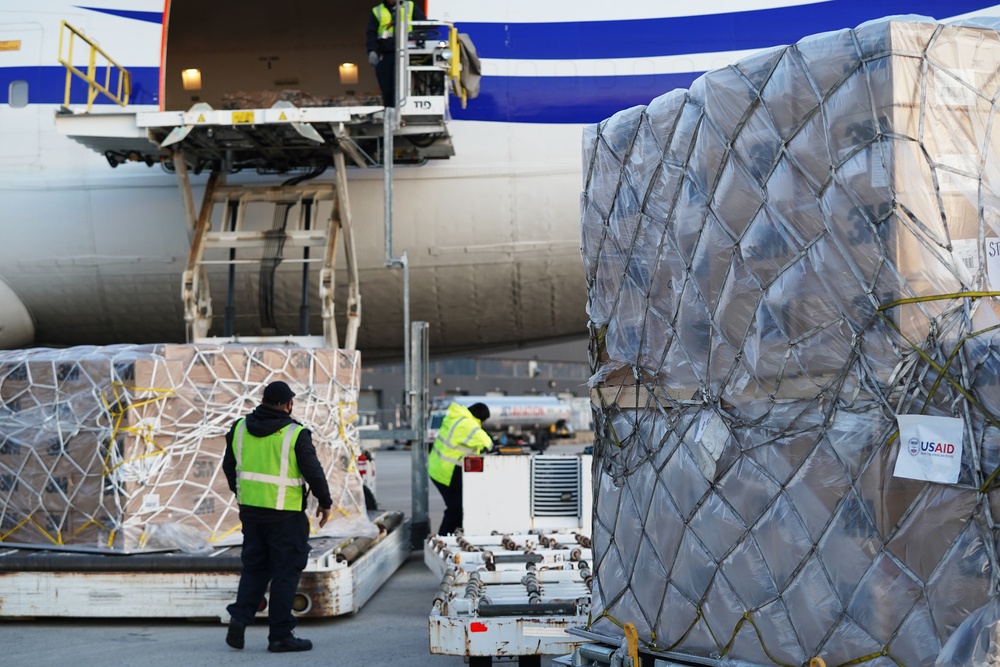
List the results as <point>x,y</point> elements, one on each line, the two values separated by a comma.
<point>271,466</point>
<point>380,43</point>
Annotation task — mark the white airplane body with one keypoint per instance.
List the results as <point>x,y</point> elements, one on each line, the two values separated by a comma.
<point>93,255</point>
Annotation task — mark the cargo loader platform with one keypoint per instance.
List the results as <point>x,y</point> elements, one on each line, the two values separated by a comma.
<point>274,140</point>
<point>341,575</point>
<point>295,144</point>
<point>285,137</point>
<point>508,596</point>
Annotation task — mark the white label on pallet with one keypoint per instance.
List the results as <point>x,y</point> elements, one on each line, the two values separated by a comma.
<point>953,181</point>
<point>710,440</point>
<point>150,502</point>
<point>993,262</point>
<point>879,174</point>
<point>966,255</point>
<point>953,87</point>
<point>930,448</point>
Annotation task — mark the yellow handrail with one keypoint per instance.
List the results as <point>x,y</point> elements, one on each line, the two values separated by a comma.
<point>455,66</point>
<point>124,80</point>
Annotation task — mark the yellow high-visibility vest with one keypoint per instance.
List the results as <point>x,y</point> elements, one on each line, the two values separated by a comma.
<point>267,472</point>
<point>460,435</point>
<point>385,17</point>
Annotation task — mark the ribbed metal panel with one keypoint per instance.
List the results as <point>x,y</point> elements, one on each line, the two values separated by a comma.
<point>555,486</point>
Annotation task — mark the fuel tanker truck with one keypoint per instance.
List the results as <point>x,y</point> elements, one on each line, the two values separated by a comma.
<point>517,424</point>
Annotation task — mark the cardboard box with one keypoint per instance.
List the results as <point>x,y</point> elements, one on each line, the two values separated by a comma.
<point>745,459</point>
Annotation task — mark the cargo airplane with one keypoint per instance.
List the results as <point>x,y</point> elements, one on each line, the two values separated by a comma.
<point>95,242</point>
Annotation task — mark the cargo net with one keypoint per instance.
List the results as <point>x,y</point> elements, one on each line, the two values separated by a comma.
<point>780,261</point>
<point>121,447</point>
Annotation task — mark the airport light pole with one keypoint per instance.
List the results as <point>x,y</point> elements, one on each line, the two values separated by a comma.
<point>417,398</point>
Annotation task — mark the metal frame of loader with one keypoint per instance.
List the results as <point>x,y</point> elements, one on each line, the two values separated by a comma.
<point>285,139</point>
<point>514,595</point>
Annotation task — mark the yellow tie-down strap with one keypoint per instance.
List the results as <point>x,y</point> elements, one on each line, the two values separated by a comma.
<point>117,410</point>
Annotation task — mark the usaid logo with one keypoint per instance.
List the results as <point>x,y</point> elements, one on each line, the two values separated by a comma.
<point>930,447</point>
<point>935,446</point>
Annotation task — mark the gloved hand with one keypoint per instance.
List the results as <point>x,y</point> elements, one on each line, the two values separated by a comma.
<point>373,58</point>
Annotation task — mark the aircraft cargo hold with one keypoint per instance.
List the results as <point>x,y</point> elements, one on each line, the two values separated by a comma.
<point>795,343</point>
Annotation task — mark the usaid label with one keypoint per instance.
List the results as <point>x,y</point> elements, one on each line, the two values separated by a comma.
<point>930,448</point>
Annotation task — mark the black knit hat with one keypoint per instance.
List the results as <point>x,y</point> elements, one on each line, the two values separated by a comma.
<point>278,393</point>
<point>480,411</point>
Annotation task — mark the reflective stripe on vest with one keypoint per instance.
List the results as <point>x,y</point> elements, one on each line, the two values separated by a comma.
<point>384,17</point>
<point>289,487</point>
<point>462,449</point>
<point>446,455</point>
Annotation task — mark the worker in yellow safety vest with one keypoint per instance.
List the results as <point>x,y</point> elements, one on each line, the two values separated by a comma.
<point>380,43</point>
<point>272,467</point>
<point>461,435</point>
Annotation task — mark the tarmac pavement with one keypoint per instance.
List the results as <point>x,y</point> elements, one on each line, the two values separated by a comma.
<point>391,629</point>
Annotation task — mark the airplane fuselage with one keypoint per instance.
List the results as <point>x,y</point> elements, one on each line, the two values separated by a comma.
<point>93,254</point>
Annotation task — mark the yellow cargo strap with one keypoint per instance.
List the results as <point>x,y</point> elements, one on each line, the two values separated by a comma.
<point>632,640</point>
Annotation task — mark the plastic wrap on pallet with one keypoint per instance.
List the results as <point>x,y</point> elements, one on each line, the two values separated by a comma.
<point>121,447</point>
<point>780,261</point>
<point>265,99</point>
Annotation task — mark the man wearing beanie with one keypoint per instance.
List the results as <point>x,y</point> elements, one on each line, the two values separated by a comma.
<point>271,466</point>
<point>461,434</point>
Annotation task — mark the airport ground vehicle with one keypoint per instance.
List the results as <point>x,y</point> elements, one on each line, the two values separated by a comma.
<point>517,424</point>
<point>518,577</point>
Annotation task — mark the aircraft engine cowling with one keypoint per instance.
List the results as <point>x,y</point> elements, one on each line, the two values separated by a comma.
<point>17,329</point>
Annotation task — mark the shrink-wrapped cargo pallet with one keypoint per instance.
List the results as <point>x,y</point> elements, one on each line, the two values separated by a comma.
<point>121,447</point>
<point>790,270</point>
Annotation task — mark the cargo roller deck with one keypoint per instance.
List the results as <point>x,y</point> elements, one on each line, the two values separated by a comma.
<point>341,575</point>
<point>513,595</point>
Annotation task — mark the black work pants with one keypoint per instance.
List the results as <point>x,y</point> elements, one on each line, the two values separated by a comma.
<point>273,553</point>
<point>452,494</point>
<point>385,72</point>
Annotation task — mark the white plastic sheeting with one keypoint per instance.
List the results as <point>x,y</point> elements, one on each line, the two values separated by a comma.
<point>120,447</point>
<point>780,260</point>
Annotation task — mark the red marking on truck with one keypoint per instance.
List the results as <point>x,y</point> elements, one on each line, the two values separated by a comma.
<point>523,412</point>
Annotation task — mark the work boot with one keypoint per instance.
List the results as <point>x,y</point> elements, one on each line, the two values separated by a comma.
<point>234,636</point>
<point>289,644</point>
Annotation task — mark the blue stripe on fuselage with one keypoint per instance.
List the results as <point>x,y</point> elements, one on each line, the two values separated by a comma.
<point>501,99</point>
<point>47,85</point>
<point>693,34</point>
<point>148,17</point>
<point>569,99</point>
<point>564,99</point>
